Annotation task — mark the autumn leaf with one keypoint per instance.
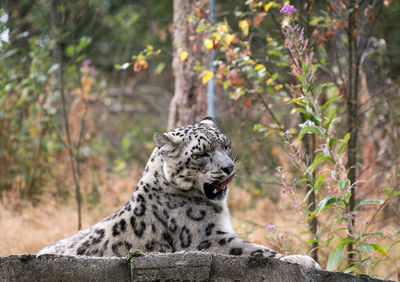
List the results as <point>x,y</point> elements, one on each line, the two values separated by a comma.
<point>244,26</point>
<point>258,67</point>
<point>329,34</point>
<point>237,96</point>
<point>139,64</point>
<point>247,103</point>
<point>198,12</point>
<point>369,14</point>
<point>255,144</point>
<point>222,28</point>
<point>233,78</point>
<point>217,36</point>
<point>268,6</point>
<point>206,75</point>
<point>183,56</point>
<point>220,71</point>
<point>258,19</point>
<point>208,43</point>
<point>228,39</point>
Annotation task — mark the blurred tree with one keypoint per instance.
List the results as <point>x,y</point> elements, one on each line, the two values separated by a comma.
<point>190,101</point>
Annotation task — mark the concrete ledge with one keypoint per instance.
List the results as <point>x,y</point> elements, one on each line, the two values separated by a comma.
<point>190,266</point>
<point>62,268</point>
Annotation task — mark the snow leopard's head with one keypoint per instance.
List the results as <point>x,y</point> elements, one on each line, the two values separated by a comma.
<point>197,157</point>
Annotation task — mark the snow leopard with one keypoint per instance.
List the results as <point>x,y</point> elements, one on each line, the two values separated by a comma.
<point>179,204</point>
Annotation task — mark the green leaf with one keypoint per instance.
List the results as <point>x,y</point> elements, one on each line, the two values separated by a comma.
<point>83,43</point>
<point>327,103</point>
<point>273,52</point>
<point>351,269</point>
<point>332,116</point>
<point>306,114</point>
<point>320,181</point>
<point>332,142</point>
<point>326,203</point>
<point>309,128</point>
<point>393,244</point>
<point>160,68</point>
<point>319,159</point>
<point>380,249</point>
<point>342,184</point>
<point>300,78</point>
<point>367,248</point>
<point>368,202</point>
<point>344,142</point>
<point>335,257</point>
<point>299,101</point>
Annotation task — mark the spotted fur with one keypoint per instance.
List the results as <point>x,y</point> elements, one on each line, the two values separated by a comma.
<point>178,205</point>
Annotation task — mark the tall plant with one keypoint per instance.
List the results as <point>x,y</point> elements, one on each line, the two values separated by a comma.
<point>326,173</point>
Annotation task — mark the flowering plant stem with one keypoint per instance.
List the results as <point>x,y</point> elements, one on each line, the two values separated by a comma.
<point>322,167</point>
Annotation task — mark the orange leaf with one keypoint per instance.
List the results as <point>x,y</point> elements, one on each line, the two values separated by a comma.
<point>255,144</point>
<point>259,19</point>
<point>229,38</point>
<point>198,12</point>
<point>139,64</point>
<point>247,103</point>
<point>329,35</point>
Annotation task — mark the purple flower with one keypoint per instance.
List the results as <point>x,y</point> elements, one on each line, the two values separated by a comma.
<point>86,63</point>
<point>270,227</point>
<point>287,9</point>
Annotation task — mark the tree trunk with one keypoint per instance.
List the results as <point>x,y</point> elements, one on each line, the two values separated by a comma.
<point>57,27</point>
<point>189,103</point>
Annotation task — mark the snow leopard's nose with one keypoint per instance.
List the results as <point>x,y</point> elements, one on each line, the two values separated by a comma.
<point>228,169</point>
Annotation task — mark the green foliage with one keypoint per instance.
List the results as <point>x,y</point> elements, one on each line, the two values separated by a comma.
<point>251,64</point>
<point>335,205</point>
<point>94,35</point>
<point>26,112</point>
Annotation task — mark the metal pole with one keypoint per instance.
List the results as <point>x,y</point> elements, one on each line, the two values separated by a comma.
<point>211,103</point>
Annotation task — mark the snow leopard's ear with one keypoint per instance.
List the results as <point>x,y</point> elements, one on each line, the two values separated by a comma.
<point>209,121</point>
<point>165,143</point>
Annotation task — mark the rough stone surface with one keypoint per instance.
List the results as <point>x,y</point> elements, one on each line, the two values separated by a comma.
<point>193,266</point>
<point>182,266</point>
<point>34,268</point>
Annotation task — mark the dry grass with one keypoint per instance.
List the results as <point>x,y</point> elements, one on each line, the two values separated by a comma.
<point>26,228</point>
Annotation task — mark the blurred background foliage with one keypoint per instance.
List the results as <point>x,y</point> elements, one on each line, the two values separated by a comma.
<point>124,108</point>
<point>114,112</point>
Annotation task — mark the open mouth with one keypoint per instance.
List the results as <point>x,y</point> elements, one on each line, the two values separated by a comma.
<point>217,189</point>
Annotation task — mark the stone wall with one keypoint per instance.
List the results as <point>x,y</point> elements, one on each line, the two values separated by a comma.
<point>191,266</point>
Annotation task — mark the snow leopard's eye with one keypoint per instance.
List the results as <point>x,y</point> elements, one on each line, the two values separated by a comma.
<point>202,155</point>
